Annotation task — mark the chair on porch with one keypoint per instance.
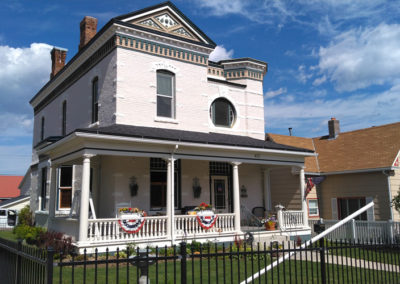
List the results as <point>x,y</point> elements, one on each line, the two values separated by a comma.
<point>259,212</point>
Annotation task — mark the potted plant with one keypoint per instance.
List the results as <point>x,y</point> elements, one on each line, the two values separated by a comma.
<point>270,223</point>
<point>204,208</point>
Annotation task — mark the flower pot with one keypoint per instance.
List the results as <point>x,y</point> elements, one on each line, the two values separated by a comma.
<point>270,226</point>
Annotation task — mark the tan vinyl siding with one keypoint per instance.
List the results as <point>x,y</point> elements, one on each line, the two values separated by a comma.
<point>356,185</point>
<point>285,188</point>
<point>395,188</point>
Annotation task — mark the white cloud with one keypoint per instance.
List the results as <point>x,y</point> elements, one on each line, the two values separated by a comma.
<point>309,118</point>
<point>23,71</point>
<point>274,93</point>
<point>360,58</point>
<point>319,81</point>
<point>323,15</point>
<point>302,75</point>
<point>221,53</point>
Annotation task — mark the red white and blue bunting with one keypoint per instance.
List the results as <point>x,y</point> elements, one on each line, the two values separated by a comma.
<point>206,220</point>
<point>131,223</point>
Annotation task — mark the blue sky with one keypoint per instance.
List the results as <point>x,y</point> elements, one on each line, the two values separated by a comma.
<point>327,58</point>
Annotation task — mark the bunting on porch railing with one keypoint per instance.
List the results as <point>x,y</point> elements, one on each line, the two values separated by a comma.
<point>132,224</point>
<point>206,220</point>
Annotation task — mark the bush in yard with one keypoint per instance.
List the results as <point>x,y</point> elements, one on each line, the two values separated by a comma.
<point>28,233</point>
<point>25,216</point>
<point>58,241</point>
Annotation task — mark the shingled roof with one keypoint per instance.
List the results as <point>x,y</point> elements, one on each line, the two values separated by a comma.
<point>189,136</point>
<point>369,148</point>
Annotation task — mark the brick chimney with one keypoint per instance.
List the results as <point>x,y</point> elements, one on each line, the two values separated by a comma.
<point>58,56</point>
<point>334,128</point>
<point>88,30</point>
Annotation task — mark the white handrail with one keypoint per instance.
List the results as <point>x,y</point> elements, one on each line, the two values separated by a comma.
<point>313,240</point>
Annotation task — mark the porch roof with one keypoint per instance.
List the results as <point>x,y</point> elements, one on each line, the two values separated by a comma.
<point>189,136</point>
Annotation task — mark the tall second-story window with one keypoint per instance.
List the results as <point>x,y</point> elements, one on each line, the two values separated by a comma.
<point>42,129</point>
<point>64,119</point>
<point>95,100</point>
<point>165,94</point>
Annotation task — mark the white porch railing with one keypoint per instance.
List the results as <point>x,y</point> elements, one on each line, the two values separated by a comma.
<point>155,227</point>
<point>187,225</point>
<point>290,219</point>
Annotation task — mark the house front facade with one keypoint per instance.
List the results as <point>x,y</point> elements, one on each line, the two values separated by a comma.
<point>140,118</point>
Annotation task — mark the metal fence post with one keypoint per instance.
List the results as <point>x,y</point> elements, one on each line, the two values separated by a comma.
<point>322,260</point>
<point>18,270</point>
<point>183,263</point>
<point>49,265</point>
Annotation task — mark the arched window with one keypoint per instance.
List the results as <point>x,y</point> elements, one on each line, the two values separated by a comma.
<point>95,100</point>
<point>165,94</point>
<point>222,113</point>
<point>64,119</point>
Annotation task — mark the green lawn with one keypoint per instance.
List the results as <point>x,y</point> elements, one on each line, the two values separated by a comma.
<point>289,272</point>
<point>371,253</point>
<point>8,234</point>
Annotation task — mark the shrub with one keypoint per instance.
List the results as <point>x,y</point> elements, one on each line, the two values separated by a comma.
<point>58,241</point>
<point>25,216</point>
<point>28,233</point>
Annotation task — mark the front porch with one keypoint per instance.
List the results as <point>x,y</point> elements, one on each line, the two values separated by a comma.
<point>88,186</point>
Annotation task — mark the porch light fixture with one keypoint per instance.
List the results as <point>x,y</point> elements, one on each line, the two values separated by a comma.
<point>196,187</point>
<point>133,186</point>
<point>243,191</point>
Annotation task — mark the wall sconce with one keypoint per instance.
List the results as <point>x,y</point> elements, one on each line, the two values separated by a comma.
<point>243,191</point>
<point>133,186</point>
<point>196,187</point>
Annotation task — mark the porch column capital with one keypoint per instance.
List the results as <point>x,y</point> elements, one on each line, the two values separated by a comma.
<point>236,164</point>
<point>88,156</point>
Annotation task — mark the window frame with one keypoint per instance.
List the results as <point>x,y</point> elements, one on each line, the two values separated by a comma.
<point>363,216</point>
<point>64,119</point>
<point>63,188</point>
<point>95,100</point>
<point>171,75</point>
<point>308,207</point>
<point>232,114</point>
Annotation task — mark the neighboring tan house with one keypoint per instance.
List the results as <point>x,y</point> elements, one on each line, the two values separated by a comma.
<point>140,117</point>
<point>359,166</point>
<point>9,187</point>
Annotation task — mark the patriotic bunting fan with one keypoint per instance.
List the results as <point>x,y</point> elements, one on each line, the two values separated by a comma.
<point>206,220</point>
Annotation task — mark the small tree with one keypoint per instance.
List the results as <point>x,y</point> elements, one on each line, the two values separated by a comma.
<point>396,201</point>
<point>25,216</point>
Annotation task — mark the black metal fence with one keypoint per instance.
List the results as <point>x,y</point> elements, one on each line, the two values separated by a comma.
<point>336,261</point>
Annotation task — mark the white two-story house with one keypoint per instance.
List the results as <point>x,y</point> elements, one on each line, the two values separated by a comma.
<point>140,117</point>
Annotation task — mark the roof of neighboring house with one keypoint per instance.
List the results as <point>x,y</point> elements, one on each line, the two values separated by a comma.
<point>9,186</point>
<point>189,136</point>
<point>15,200</point>
<point>369,148</point>
<point>310,163</point>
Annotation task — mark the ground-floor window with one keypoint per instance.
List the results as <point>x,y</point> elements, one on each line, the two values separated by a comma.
<point>158,184</point>
<point>347,206</point>
<point>65,187</point>
<point>313,207</point>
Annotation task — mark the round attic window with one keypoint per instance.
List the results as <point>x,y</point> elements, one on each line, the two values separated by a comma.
<point>222,113</point>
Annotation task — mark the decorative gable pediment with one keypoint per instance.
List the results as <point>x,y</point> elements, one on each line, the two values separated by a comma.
<point>166,18</point>
<point>165,22</point>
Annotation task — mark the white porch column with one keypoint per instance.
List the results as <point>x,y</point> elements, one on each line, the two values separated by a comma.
<point>303,197</point>
<point>236,195</point>
<point>170,198</point>
<point>84,204</point>
<point>52,193</point>
<point>267,190</point>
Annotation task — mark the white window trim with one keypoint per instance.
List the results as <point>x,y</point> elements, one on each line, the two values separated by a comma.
<point>308,205</point>
<point>65,210</point>
<point>173,97</point>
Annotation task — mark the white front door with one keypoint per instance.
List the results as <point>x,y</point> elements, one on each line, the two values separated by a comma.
<point>219,185</point>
